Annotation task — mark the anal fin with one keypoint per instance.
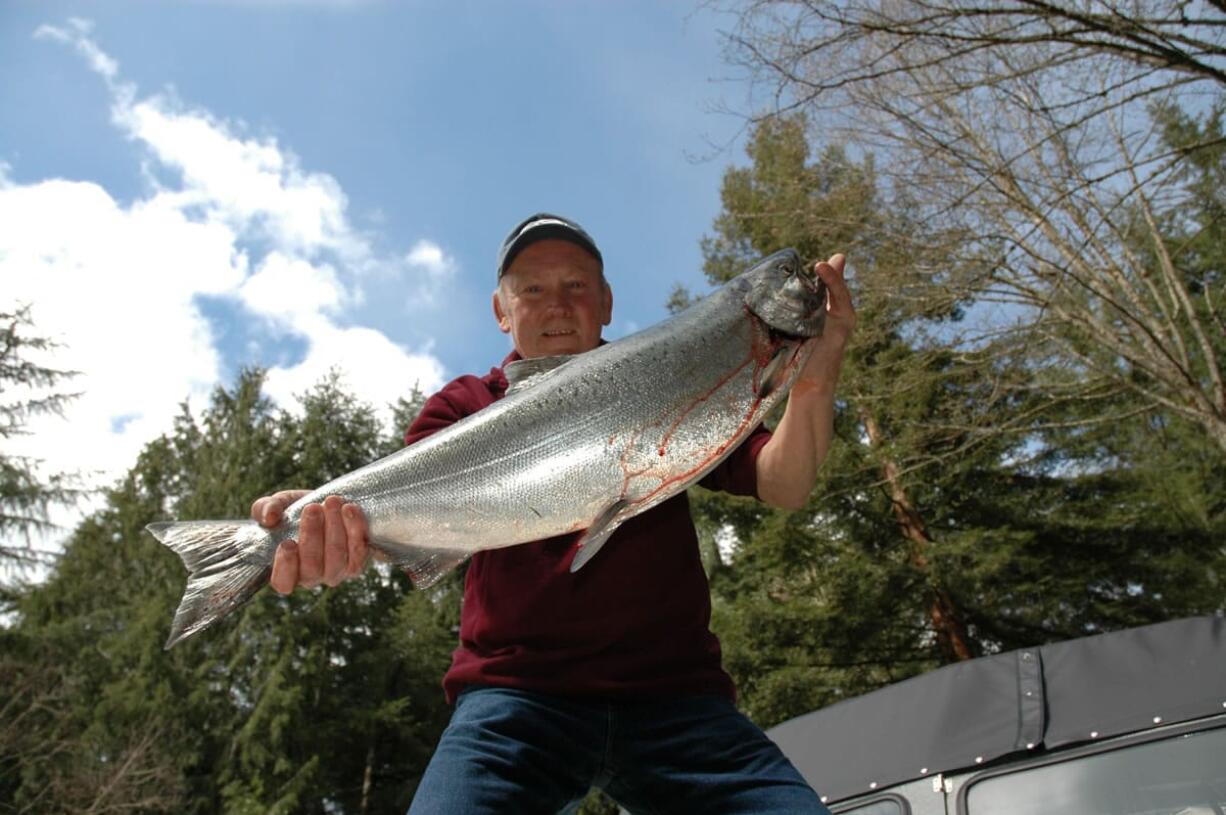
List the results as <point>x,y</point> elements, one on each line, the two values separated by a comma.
<point>425,565</point>
<point>598,533</point>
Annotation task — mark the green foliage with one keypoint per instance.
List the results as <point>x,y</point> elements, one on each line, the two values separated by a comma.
<point>963,475</point>
<point>957,476</point>
<point>28,388</point>
<point>324,701</point>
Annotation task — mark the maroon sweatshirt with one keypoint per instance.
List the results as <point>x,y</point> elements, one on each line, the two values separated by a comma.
<point>633,623</point>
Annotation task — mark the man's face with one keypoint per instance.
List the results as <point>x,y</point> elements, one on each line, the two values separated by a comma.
<point>553,300</point>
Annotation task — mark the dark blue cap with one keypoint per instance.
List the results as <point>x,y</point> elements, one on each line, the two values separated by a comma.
<point>544,226</point>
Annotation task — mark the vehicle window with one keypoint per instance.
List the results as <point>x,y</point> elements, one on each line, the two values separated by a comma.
<point>886,807</point>
<point>1183,775</point>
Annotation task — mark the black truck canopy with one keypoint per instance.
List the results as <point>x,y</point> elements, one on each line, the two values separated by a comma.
<point>1032,699</point>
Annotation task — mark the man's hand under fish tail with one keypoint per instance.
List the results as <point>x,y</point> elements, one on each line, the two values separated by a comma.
<point>331,546</point>
<point>788,464</point>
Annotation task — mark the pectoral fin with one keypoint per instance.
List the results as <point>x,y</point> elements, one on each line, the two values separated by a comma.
<point>774,372</point>
<point>601,529</point>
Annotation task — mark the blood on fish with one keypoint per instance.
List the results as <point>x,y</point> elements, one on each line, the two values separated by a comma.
<point>763,347</point>
<point>668,434</point>
<point>719,451</point>
<point>760,361</point>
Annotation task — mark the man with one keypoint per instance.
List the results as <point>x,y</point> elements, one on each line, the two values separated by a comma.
<point>610,676</point>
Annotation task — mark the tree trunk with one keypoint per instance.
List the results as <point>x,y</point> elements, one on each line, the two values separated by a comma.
<point>367,776</point>
<point>947,623</point>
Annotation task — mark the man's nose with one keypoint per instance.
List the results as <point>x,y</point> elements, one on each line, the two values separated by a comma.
<point>558,300</point>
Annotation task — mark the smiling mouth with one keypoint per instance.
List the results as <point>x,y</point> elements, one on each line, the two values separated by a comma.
<point>559,332</point>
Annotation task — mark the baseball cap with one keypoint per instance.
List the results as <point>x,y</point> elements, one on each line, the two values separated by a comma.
<point>539,227</point>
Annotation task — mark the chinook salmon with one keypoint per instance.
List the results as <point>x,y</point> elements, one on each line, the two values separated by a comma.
<point>579,444</point>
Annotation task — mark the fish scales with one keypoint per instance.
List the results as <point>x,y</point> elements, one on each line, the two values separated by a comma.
<point>594,440</point>
<point>567,475</point>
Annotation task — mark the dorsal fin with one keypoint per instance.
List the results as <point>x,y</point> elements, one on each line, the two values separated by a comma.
<point>524,373</point>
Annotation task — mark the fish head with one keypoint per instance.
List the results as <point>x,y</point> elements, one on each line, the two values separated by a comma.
<point>780,292</point>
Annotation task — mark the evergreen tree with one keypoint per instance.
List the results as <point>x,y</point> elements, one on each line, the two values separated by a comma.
<point>888,390</point>
<point>28,388</point>
<point>323,701</point>
<point>965,507</point>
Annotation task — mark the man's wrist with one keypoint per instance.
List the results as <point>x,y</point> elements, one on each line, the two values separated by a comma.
<point>813,388</point>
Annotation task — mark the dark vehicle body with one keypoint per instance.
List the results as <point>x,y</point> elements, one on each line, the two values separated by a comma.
<point>1127,723</point>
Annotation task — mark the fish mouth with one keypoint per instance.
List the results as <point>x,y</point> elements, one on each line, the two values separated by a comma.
<point>812,284</point>
<point>786,298</point>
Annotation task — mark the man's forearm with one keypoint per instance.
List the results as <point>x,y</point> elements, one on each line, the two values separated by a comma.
<point>787,466</point>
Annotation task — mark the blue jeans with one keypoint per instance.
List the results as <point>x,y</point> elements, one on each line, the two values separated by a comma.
<point>511,751</point>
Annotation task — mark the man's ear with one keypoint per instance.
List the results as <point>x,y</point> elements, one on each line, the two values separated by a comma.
<point>504,322</point>
<point>606,316</point>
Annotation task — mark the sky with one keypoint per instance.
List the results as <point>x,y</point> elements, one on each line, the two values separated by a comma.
<point>190,188</point>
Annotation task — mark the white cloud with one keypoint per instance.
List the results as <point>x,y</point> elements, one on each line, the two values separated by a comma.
<point>431,258</point>
<point>253,185</point>
<point>77,35</point>
<point>333,4</point>
<point>435,269</point>
<point>370,363</point>
<point>292,294</point>
<point>118,284</point>
<point>115,286</point>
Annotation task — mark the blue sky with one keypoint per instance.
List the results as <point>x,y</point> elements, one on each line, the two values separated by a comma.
<point>190,187</point>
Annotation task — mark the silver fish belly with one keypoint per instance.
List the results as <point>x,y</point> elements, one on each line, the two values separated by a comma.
<point>578,445</point>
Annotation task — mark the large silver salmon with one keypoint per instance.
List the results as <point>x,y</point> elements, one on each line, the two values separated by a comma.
<point>579,444</point>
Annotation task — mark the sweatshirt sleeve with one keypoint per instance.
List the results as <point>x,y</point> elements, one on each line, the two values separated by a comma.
<point>435,415</point>
<point>459,398</point>
<point>738,473</point>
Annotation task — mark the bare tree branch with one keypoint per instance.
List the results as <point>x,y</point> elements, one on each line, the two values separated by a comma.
<point>1030,126</point>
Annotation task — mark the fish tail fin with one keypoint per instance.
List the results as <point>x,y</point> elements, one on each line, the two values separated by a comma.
<point>227,563</point>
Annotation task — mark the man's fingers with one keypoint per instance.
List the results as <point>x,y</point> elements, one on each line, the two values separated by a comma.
<point>311,545</point>
<point>270,509</point>
<point>837,293</point>
<point>263,512</point>
<point>285,568</point>
<point>355,532</point>
<point>331,543</point>
<point>336,550</point>
<point>831,271</point>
